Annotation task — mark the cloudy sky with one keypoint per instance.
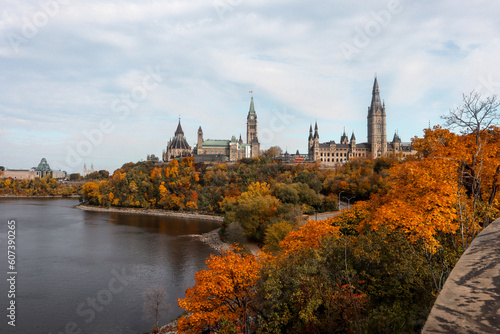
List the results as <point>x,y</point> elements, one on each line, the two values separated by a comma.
<point>106,81</point>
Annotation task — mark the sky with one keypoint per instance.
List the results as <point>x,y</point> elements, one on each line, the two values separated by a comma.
<point>105,82</point>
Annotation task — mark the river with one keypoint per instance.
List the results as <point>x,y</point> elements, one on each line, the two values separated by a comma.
<point>86,272</point>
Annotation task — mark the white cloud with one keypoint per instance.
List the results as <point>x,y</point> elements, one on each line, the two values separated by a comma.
<point>65,76</point>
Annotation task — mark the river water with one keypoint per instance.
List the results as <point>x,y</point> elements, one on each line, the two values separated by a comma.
<point>86,272</point>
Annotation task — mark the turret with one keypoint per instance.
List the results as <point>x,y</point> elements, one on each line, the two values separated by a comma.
<point>344,139</point>
<point>200,140</point>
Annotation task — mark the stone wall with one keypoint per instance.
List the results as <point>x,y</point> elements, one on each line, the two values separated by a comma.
<point>470,299</point>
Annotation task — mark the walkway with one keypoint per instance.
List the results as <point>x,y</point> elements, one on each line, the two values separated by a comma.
<point>470,299</point>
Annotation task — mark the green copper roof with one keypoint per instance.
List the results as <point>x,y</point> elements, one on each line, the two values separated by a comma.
<point>252,108</point>
<point>43,166</point>
<point>215,143</point>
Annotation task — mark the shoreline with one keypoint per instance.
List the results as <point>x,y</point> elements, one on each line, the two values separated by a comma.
<point>41,196</point>
<point>151,212</point>
<point>211,238</point>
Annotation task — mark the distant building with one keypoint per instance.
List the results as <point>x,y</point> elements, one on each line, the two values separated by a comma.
<point>222,150</point>
<point>291,158</point>
<point>178,147</point>
<point>332,153</point>
<point>152,157</point>
<point>42,170</point>
<point>87,171</point>
<point>19,174</point>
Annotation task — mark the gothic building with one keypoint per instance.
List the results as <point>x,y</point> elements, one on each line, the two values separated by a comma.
<point>87,171</point>
<point>178,147</point>
<point>229,150</point>
<point>332,153</point>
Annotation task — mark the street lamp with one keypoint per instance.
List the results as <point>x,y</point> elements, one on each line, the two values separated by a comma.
<point>348,200</point>
<point>339,198</point>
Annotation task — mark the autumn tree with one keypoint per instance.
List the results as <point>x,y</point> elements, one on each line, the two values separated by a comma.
<point>90,192</point>
<point>476,118</point>
<point>252,209</point>
<point>225,291</point>
<point>272,152</point>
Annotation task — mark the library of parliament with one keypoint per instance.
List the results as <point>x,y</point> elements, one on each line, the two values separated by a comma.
<point>328,153</point>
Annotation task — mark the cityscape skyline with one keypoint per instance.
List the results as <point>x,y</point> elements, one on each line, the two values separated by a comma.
<point>106,82</point>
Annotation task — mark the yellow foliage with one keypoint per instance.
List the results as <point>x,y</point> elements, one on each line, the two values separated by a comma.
<point>256,189</point>
<point>155,174</point>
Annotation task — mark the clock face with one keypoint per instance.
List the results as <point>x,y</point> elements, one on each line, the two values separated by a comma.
<point>252,117</point>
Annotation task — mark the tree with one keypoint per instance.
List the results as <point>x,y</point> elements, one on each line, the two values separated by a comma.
<point>75,177</point>
<point>252,209</point>
<point>155,303</point>
<point>477,118</point>
<point>225,291</point>
<point>90,192</point>
<point>272,152</point>
<point>475,115</point>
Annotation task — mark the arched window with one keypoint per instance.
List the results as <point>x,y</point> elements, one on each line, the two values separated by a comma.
<point>379,127</point>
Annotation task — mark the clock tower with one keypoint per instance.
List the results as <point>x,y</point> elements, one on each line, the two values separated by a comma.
<point>251,124</point>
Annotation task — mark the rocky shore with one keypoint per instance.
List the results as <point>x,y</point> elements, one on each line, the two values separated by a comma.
<point>152,212</point>
<point>212,239</point>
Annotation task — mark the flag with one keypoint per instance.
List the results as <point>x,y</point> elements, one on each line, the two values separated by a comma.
<point>251,91</point>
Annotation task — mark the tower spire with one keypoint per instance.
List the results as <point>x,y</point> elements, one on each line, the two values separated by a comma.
<point>179,129</point>
<point>376,104</point>
<point>251,111</point>
<point>252,124</point>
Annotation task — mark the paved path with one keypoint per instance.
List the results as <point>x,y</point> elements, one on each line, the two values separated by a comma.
<point>470,299</point>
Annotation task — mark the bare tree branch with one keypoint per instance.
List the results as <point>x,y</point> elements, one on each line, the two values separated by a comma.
<point>155,303</point>
<point>475,115</point>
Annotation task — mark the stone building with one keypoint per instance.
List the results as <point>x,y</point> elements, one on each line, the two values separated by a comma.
<point>43,169</point>
<point>211,150</point>
<point>178,147</point>
<point>332,153</point>
<point>88,171</point>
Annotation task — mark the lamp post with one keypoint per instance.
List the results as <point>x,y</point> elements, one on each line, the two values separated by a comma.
<point>339,198</point>
<point>348,200</point>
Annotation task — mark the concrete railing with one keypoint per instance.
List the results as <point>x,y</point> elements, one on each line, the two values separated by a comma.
<point>470,299</point>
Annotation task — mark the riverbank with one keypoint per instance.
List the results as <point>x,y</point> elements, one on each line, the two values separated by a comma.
<point>41,196</point>
<point>152,212</point>
<point>212,239</point>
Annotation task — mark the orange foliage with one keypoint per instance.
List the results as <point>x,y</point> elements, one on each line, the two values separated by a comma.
<point>223,291</point>
<point>309,235</point>
<point>422,202</point>
<point>155,174</point>
<point>451,190</point>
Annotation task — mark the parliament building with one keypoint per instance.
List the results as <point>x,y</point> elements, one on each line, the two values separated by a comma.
<point>332,153</point>
<point>328,153</point>
<point>216,150</point>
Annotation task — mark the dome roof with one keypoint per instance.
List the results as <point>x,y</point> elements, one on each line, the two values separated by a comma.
<point>43,166</point>
<point>179,141</point>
